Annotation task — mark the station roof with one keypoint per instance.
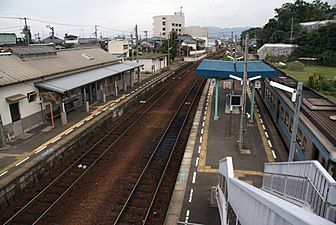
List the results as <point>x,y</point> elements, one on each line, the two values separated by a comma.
<point>223,69</point>
<point>69,82</point>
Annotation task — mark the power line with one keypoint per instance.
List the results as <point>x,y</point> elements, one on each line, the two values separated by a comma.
<point>63,24</point>
<point>3,28</point>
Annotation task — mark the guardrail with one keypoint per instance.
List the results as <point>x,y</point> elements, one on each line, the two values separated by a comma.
<point>303,181</point>
<point>255,206</point>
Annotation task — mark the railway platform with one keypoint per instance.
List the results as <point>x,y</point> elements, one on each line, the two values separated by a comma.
<point>211,140</point>
<point>41,145</point>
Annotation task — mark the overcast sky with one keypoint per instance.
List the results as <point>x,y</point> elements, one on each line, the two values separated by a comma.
<point>124,14</point>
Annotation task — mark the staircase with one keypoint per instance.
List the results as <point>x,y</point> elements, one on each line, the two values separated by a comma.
<point>298,193</point>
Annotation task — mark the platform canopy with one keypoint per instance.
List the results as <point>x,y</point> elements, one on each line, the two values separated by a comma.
<point>223,69</point>
<point>70,82</point>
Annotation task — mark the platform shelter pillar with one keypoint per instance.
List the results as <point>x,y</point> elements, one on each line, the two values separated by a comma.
<point>63,114</point>
<point>252,101</point>
<point>216,100</point>
<point>124,82</point>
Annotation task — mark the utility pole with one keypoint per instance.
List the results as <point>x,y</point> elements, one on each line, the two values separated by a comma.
<point>291,36</point>
<point>242,114</point>
<point>52,30</point>
<point>295,121</point>
<point>231,48</point>
<point>136,43</point>
<point>26,33</point>
<point>132,45</point>
<point>96,33</point>
<point>168,53</point>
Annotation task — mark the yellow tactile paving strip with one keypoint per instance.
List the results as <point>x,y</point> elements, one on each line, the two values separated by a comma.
<point>202,167</point>
<point>268,150</point>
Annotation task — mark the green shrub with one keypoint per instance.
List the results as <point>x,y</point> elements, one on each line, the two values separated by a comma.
<point>296,66</point>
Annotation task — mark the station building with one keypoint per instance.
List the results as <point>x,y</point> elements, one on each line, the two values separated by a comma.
<point>38,81</point>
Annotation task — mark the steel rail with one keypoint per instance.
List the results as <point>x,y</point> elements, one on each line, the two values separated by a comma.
<point>150,159</point>
<point>170,84</point>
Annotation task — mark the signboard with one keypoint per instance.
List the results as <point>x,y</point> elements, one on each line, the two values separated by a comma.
<point>235,100</point>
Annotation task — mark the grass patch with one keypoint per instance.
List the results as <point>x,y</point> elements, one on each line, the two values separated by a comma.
<point>328,72</point>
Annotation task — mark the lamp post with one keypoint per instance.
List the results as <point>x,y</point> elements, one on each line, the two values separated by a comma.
<point>296,99</point>
<point>241,127</point>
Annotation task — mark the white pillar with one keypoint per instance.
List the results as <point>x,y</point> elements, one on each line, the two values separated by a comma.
<point>116,88</point>
<point>63,114</point>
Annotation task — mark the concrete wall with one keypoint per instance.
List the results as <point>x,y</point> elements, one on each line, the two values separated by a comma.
<point>156,62</point>
<point>119,47</point>
<point>161,30</point>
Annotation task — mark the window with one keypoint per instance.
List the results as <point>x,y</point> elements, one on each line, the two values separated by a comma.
<point>164,34</point>
<point>290,124</point>
<point>173,24</point>
<point>31,96</point>
<point>299,137</point>
<point>179,25</point>
<point>163,23</point>
<point>163,18</point>
<point>282,113</point>
<point>303,147</point>
<point>163,28</point>
<point>286,118</point>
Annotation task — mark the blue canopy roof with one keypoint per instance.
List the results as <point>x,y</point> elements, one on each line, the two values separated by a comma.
<point>223,69</point>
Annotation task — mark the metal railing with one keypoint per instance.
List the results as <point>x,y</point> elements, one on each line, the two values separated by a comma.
<point>305,182</point>
<point>255,206</point>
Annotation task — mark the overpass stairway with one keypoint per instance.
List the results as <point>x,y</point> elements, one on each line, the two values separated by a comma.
<point>292,193</point>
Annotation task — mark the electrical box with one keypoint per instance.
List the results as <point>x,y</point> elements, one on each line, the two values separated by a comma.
<point>235,100</point>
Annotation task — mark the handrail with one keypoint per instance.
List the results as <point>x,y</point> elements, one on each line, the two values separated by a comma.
<point>255,206</point>
<point>300,177</point>
<point>313,170</point>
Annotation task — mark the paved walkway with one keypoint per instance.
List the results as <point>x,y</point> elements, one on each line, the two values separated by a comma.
<point>215,140</point>
<point>39,142</point>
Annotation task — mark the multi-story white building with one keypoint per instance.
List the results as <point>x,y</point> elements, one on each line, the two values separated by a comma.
<point>165,24</point>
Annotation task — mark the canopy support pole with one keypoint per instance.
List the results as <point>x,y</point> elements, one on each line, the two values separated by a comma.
<point>216,100</point>
<point>252,101</point>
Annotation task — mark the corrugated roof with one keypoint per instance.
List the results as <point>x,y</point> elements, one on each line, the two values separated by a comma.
<point>14,70</point>
<point>223,69</point>
<point>69,82</point>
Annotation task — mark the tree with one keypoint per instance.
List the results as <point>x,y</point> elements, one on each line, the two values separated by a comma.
<point>173,45</point>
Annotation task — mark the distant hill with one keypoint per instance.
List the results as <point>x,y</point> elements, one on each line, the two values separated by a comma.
<point>226,32</point>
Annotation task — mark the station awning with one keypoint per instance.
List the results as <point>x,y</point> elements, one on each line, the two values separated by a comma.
<point>223,69</point>
<point>15,98</point>
<point>69,82</point>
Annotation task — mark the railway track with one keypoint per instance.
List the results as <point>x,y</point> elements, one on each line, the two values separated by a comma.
<point>42,203</point>
<point>140,201</point>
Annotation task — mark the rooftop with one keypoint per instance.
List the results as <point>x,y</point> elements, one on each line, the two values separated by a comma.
<point>316,108</point>
<point>223,69</point>
<point>14,70</point>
